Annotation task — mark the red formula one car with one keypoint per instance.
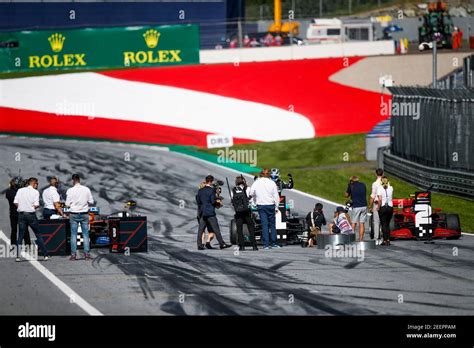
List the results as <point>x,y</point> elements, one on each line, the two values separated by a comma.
<point>414,218</point>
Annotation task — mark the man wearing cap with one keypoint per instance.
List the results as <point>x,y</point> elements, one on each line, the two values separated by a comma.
<point>78,199</point>
<point>341,222</point>
<point>51,199</point>
<point>264,193</point>
<point>27,201</point>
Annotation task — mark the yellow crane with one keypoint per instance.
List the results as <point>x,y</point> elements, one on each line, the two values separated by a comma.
<point>286,27</point>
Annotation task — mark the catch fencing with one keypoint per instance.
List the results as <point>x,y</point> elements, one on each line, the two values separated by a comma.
<point>432,138</point>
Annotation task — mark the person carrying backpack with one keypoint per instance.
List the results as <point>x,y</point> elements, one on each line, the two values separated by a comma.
<point>243,214</point>
<point>315,220</point>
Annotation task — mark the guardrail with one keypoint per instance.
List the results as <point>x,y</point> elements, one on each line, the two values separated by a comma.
<point>263,54</point>
<point>443,180</point>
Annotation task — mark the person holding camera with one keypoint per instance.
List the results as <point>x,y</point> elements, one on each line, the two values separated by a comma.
<point>264,193</point>
<point>13,187</point>
<point>341,223</point>
<point>357,191</point>
<point>210,234</point>
<point>315,220</point>
<point>385,208</point>
<point>243,214</point>
<point>207,198</point>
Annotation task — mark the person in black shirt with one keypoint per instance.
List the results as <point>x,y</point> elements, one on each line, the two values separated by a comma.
<point>357,191</point>
<point>315,220</point>
<point>206,198</point>
<point>210,234</point>
<point>10,193</point>
<point>243,214</point>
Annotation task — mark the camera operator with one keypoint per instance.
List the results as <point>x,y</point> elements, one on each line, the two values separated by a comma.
<point>51,199</point>
<point>210,234</point>
<point>341,222</point>
<point>315,220</point>
<point>209,199</point>
<point>15,184</point>
<point>243,214</point>
<point>357,191</point>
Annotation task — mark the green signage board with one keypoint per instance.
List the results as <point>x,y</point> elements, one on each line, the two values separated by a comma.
<point>98,48</point>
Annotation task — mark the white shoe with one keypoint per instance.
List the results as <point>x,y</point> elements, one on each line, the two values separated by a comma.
<point>18,259</point>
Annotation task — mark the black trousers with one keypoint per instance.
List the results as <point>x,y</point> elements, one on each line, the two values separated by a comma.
<point>47,213</point>
<point>26,220</point>
<point>240,220</point>
<point>14,231</point>
<point>212,225</point>
<point>385,215</point>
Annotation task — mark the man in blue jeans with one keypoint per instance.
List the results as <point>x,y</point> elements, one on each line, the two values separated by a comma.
<point>78,199</point>
<point>264,193</point>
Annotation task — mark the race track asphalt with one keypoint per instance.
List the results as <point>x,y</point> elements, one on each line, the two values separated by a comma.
<point>174,278</point>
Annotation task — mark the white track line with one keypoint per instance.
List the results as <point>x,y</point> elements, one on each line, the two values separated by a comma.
<point>71,294</point>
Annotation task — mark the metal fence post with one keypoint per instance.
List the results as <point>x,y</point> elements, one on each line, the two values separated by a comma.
<point>239,28</point>
<point>435,64</point>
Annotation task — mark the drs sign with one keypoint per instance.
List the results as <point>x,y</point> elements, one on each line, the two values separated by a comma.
<point>215,141</point>
<point>99,48</point>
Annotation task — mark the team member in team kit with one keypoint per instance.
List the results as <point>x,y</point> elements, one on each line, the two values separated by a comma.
<point>52,200</point>
<point>78,199</point>
<point>27,201</point>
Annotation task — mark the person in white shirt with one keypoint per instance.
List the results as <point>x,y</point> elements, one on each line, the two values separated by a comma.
<point>78,199</point>
<point>385,207</point>
<point>27,201</point>
<point>373,204</point>
<point>51,200</point>
<point>264,193</point>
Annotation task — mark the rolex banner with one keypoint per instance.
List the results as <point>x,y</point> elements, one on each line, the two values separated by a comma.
<point>98,48</point>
